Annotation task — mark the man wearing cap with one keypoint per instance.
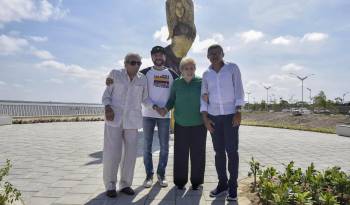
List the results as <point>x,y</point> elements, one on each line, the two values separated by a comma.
<point>159,80</point>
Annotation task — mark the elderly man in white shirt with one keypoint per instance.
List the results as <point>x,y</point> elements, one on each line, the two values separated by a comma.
<point>223,92</point>
<point>122,101</point>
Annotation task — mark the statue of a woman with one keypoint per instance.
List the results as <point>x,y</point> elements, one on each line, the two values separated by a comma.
<point>182,30</point>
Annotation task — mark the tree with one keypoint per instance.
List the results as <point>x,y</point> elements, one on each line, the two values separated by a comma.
<point>320,100</point>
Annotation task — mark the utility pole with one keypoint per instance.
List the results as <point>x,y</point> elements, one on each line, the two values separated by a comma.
<point>248,93</point>
<point>302,78</point>
<point>309,89</point>
<point>344,96</point>
<point>267,96</point>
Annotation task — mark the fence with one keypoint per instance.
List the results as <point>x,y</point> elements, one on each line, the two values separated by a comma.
<point>37,109</point>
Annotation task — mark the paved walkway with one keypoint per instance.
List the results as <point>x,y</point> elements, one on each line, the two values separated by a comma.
<point>60,163</point>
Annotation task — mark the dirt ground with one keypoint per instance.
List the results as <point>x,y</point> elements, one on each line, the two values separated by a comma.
<point>317,121</point>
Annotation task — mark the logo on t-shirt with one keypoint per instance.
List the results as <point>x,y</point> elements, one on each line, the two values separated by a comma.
<point>161,81</point>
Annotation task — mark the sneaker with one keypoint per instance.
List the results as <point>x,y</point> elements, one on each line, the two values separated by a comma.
<point>218,192</point>
<point>162,181</point>
<point>230,198</point>
<point>196,187</point>
<point>128,191</point>
<point>111,193</point>
<point>148,182</point>
<point>232,195</point>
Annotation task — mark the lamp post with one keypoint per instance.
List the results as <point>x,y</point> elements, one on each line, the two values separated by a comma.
<point>267,96</point>
<point>302,78</point>
<point>248,93</point>
<point>309,89</point>
<point>344,96</point>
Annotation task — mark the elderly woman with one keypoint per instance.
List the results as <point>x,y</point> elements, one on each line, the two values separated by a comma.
<point>190,133</point>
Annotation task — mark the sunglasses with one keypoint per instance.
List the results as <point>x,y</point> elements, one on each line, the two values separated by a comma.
<point>135,63</point>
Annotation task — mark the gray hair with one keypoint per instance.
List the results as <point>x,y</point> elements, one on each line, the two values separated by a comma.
<point>185,61</point>
<point>131,55</point>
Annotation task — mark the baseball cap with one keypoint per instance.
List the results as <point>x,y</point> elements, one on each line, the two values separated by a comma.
<point>157,49</point>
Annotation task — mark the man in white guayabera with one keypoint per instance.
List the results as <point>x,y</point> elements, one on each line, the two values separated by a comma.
<point>122,100</point>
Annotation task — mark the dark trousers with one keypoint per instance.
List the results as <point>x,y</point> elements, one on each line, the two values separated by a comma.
<point>189,141</point>
<point>225,141</point>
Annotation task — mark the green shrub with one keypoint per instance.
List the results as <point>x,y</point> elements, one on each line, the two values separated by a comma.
<point>296,187</point>
<point>8,193</point>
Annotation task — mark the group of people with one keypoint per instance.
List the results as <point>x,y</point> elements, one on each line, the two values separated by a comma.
<point>136,99</point>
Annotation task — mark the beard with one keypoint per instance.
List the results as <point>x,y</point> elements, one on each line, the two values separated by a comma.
<point>158,62</point>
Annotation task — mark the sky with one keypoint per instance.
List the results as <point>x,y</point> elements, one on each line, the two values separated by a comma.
<point>62,50</point>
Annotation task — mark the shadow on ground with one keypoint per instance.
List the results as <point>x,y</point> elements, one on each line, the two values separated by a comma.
<point>97,156</point>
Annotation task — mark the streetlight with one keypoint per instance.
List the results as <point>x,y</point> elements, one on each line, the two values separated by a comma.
<point>302,78</point>
<point>344,96</point>
<point>267,95</point>
<point>309,89</point>
<point>248,93</point>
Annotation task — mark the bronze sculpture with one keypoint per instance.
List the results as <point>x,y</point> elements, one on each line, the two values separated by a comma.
<point>182,31</point>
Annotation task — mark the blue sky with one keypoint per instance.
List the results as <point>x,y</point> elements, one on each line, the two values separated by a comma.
<point>62,50</point>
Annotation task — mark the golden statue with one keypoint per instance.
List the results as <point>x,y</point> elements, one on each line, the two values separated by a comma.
<point>182,30</point>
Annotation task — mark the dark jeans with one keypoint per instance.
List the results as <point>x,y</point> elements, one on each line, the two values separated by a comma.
<point>225,141</point>
<point>189,141</point>
<point>149,124</point>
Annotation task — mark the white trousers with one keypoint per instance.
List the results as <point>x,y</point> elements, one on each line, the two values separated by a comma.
<point>120,146</point>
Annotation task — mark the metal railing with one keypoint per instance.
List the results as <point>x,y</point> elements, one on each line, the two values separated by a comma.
<point>37,109</point>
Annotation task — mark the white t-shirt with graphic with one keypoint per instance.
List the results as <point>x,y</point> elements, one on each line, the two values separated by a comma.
<point>159,84</point>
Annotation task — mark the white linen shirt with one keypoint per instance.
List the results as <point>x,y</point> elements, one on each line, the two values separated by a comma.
<point>125,98</point>
<point>224,88</point>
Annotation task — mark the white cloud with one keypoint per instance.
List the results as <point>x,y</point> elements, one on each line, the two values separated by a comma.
<point>252,84</point>
<point>281,41</point>
<point>73,70</point>
<point>282,77</point>
<point>2,83</point>
<point>55,80</point>
<point>38,38</point>
<point>314,37</point>
<point>251,36</point>
<point>43,54</point>
<point>18,10</point>
<point>10,45</point>
<point>202,46</point>
<point>291,67</point>
<point>162,35</point>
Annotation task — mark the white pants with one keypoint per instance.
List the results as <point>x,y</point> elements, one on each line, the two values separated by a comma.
<point>120,145</point>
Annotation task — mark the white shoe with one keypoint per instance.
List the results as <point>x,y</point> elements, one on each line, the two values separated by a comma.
<point>162,181</point>
<point>148,182</point>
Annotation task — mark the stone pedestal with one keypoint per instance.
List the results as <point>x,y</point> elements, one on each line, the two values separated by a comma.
<point>343,130</point>
<point>5,120</point>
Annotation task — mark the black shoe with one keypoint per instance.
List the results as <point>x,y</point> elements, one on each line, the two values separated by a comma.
<point>180,187</point>
<point>219,191</point>
<point>195,187</point>
<point>128,191</point>
<point>111,193</point>
<point>232,195</point>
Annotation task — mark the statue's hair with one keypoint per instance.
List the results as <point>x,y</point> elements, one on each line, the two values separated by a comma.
<point>186,61</point>
<point>130,55</point>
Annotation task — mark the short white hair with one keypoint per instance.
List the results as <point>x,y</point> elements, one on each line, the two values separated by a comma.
<point>186,61</point>
<point>131,55</point>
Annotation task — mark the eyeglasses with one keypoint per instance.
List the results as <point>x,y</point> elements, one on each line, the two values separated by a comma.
<point>135,63</point>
